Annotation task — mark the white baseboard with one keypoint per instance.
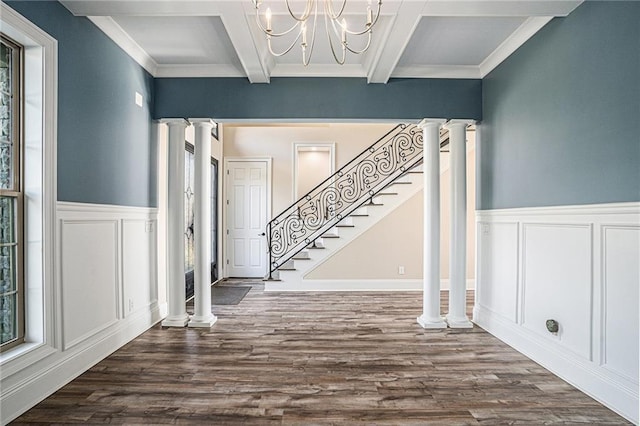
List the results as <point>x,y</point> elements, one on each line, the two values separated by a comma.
<point>355,285</point>
<point>163,310</point>
<point>584,375</point>
<point>63,368</point>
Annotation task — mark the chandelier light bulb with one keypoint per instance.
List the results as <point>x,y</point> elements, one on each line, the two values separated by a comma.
<point>344,31</point>
<point>268,16</point>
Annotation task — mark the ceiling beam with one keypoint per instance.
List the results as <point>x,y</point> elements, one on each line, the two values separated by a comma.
<point>239,30</point>
<point>398,35</point>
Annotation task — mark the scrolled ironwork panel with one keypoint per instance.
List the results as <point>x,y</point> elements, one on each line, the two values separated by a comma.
<point>343,192</point>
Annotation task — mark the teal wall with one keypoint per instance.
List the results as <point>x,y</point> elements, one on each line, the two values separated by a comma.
<point>560,115</point>
<point>105,151</point>
<point>318,98</point>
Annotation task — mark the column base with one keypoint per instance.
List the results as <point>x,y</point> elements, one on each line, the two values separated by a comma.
<point>429,324</point>
<point>460,322</point>
<point>176,321</point>
<point>203,322</point>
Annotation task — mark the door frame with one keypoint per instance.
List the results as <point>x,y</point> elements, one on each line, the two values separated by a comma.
<point>269,162</point>
<point>294,171</point>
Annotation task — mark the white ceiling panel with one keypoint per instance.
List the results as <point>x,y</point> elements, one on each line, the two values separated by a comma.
<point>181,40</point>
<point>457,40</point>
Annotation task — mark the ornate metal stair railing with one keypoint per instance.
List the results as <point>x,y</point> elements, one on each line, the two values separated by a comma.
<point>340,194</point>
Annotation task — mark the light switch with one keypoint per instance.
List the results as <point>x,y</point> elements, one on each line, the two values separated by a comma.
<point>139,99</point>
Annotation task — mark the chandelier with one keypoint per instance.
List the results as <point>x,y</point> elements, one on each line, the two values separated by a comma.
<point>335,28</point>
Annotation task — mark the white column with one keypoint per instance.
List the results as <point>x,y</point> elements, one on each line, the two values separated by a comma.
<point>430,317</point>
<point>177,312</point>
<point>202,316</point>
<point>457,317</point>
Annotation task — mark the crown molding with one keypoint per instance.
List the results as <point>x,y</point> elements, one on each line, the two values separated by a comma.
<point>199,70</point>
<point>126,43</point>
<point>437,71</point>
<point>318,70</point>
<point>523,33</point>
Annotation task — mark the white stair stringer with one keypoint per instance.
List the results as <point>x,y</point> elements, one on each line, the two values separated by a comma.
<point>293,279</point>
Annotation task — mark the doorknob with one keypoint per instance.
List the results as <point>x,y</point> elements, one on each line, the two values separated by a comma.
<point>263,234</point>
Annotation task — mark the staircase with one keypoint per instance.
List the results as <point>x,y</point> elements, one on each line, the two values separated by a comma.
<point>342,207</point>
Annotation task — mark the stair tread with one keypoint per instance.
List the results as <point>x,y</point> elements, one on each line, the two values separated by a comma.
<point>416,172</point>
<point>331,236</point>
<point>387,193</point>
<point>400,183</point>
<point>374,204</point>
<point>359,214</point>
<point>287,269</point>
<point>316,248</point>
<point>345,226</point>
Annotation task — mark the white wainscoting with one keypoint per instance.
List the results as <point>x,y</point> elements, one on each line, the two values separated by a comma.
<point>580,266</point>
<point>106,291</point>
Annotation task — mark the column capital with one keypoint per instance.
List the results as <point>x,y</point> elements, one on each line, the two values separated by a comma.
<point>459,122</point>
<point>175,122</point>
<point>428,122</point>
<point>203,122</point>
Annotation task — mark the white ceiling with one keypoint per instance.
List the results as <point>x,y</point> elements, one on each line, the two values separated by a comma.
<point>413,38</point>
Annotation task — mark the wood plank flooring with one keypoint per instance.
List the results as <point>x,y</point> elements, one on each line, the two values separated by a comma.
<point>319,358</point>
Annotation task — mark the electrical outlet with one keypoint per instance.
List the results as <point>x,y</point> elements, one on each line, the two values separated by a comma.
<point>139,99</point>
<point>400,270</point>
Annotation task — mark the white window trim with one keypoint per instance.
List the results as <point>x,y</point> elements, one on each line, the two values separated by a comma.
<point>40,141</point>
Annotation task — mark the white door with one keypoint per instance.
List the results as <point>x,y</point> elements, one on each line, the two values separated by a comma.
<point>246,218</point>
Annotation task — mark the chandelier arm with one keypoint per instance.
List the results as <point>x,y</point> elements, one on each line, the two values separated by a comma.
<point>333,51</point>
<point>328,7</point>
<point>370,27</point>
<point>271,33</point>
<point>357,52</point>
<point>287,50</point>
<point>307,10</point>
<point>305,61</point>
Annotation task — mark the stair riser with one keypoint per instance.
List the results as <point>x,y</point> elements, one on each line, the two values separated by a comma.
<point>332,245</point>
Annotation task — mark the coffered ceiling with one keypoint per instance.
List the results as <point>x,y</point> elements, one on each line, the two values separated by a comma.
<point>413,39</point>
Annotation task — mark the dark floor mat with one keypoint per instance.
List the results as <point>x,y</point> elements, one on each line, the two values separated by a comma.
<point>222,295</point>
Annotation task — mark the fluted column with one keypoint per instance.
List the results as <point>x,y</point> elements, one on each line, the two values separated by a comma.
<point>177,312</point>
<point>457,317</point>
<point>431,317</point>
<point>202,316</point>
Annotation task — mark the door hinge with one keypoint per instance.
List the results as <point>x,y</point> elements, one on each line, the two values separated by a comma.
<point>227,202</point>
<point>227,171</point>
<point>227,261</point>
<point>227,232</point>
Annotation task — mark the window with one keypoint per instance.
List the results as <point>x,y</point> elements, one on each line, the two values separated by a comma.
<point>11,196</point>
<point>189,234</point>
<point>189,248</point>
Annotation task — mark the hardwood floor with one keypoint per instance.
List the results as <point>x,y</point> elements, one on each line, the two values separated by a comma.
<point>319,358</point>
